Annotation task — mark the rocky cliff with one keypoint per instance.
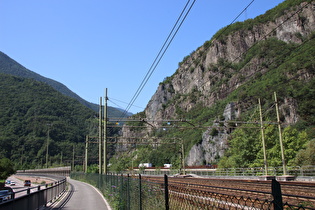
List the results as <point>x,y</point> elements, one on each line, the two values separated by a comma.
<point>221,66</point>
<point>200,71</point>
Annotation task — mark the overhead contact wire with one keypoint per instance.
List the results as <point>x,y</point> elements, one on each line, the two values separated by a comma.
<point>160,55</point>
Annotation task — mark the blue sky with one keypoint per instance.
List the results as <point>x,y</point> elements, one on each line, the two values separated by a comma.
<point>90,45</point>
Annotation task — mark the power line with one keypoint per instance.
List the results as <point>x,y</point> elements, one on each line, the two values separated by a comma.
<point>226,27</point>
<point>236,18</point>
<point>165,46</point>
<point>167,43</point>
<point>111,100</point>
<point>258,41</point>
<point>161,53</point>
<point>158,58</point>
<point>255,43</point>
<point>264,37</point>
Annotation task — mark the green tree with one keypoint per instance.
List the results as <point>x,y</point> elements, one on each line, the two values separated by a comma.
<point>6,169</point>
<point>306,156</point>
<point>293,141</point>
<point>244,147</point>
<point>273,146</point>
<point>121,163</point>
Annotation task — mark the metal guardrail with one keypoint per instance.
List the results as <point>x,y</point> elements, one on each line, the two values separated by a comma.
<point>35,197</point>
<point>59,171</point>
<point>307,172</point>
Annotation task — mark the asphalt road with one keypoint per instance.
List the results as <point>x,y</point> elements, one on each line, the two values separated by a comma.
<point>81,196</point>
<point>19,188</point>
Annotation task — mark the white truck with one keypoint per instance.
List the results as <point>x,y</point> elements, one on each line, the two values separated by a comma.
<point>145,165</point>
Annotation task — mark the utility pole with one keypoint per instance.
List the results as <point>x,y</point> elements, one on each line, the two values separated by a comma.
<point>73,157</point>
<point>86,153</point>
<point>105,132</point>
<point>263,138</point>
<point>61,158</point>
<point>100,138</point>
<point>183,158</point>
<point>47,146</point>
<point>22,155</point>
<point>280,136</point>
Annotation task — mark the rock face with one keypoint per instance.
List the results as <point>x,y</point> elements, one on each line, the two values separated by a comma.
<point>197,72</point>
<point>214,141</point>
<point>200,80</point>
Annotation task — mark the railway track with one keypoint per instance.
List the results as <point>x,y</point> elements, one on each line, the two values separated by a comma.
<point>232,193</point>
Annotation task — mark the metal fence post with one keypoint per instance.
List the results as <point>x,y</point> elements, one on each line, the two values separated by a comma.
<point>122,192</point>
<point>140,193</point>
<point>98,184</point>
<point>277,195</point>
<point>28,191</point>
<point>166,192</point>
<point>128,192</point>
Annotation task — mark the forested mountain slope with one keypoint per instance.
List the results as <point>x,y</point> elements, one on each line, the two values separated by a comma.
<point>11,67</point>
<point>217,87</point>
<point>32,113</point>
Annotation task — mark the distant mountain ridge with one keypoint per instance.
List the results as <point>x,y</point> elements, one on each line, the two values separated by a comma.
<point>11,67</point>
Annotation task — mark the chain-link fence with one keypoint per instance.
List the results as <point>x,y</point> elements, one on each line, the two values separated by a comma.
<point>137,192</point>
<point>126,192</point>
